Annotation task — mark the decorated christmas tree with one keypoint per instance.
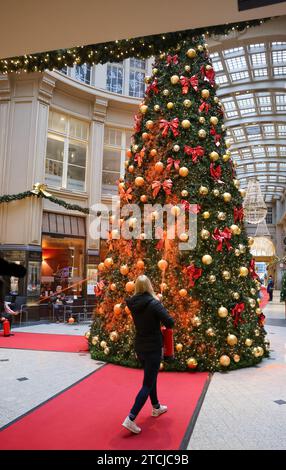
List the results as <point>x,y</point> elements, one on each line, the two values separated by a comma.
<point>179,156</point>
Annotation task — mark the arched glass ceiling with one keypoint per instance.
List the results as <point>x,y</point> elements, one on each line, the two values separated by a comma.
<point>252,88</point>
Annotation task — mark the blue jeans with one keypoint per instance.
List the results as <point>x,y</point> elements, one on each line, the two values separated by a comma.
<point>151,364</point>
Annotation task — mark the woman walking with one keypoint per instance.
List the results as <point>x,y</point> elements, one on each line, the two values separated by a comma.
<point>148,314</point>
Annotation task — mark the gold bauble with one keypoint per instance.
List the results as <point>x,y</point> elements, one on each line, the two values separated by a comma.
<point>108,262</point>
<point>196,321</point>
<point>216,100</point>
<point>183,237</point>
<point>187,103</point>
<point>131,169</point>
<point>155,71</point>
<point>226,275</point>
<point>252,302</point>
<point>187,68</point>
<point>183,292</point>
<point>184,193</point>
<point>216,192</point>
<point>209,67</point>
<point>166,92</point>
<point>260,350</point>
<point>206,215</point>
<point>121,185</point>
<point>162,264</point>
<point>87,334</point>
<point>186,124</point>
<point>147,79</point>
<point>214,156</point>
<point>113,336</point>
<point>159,167</point>
<point>207,259</point>
<point>179,347</point>
<point>175,79</point>
<point>227,143</point>
<point>221,216</point>
<point>113,286</point>
<point>205,234</point>
<point>202,120</point>
<point>242,248</point>
<point>223,127</point>
<point>143,198</point>
<point>258,311</point>
<point>170,105</point>
<point>175,210</point>
<point>139,181</point>
<point>153,152</point>
<point>94,340</point>
<point>103,344</point>
<point>149,124</point>
<point>106,351</point>
<point>231,340</point>
<point>124,269</point>
<point>248,342</point>
<point>236,183</point>
<point>255,352</point>
<point>117,309</point>
<point>250,241</point>
<point>236,295</point>
<point>130,286</point>
<point>183,171</point>
<point>235,230</point>
<point>200,48</point>
<point>203,190</point>
<point>101,267</point>
<point>140,264</point>
<point>214,120</point>
<point>143,108</point>
<point>226,157</point>
<point>191,53</point>
<point>202,134</point>
<point>176,148</point>
<point>257,332</point>
<point>236,358</point>
<point>253,291</point>
<point>134,149</point>
<point>243,271</point>
<point>156,108</point>
<point>224,360</point>
<point>226,197</point>
<point>192,363</point>
<point>222,312</point>
<point>212,278</point>
<point>242,192</point>
<point>205,93</point>
<point>237,252</point>
<point>210,332</point>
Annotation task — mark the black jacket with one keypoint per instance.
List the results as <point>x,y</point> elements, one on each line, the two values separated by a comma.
<point>148,314</point>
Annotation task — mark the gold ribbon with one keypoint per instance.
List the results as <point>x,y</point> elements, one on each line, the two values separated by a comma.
<point>40,188</point>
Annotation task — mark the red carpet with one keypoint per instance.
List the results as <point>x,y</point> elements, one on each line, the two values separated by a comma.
<point>44,342</point>
<point>89,414</point>
<point>265,297</point>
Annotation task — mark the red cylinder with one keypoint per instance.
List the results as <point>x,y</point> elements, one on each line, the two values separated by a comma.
<point>168,342</point>
<point>6,328</point>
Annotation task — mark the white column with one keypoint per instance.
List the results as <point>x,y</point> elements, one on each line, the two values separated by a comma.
<point>4,114</point>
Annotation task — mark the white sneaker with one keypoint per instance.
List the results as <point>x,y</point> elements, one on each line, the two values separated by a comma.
<point>159,411</point>
<point>131,425</point>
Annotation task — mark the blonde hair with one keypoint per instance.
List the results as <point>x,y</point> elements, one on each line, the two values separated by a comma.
<point>143,284</point>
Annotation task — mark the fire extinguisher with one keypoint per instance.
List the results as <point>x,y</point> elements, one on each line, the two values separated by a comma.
<point>168,342</point>
<point>6,328</point>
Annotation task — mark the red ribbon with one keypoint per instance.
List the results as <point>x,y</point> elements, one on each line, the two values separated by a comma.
<point>172,125</point>
<point>139,159</point>
<point>238,214</point>
<point>138,122</point>
<point>217,137</point>
<point>215,172</point>
<point>236,313</point>
<point>187,82</point>
<point>172,59</point>
<point>252,269</point>
<point>194,273</point>
<point>153,87</point>
<point>126,195</point>
<point>222,236</point>
<point>204,107</point>
<point>98,288</point>
<point>195,152</point>
<point>209,74</point>
<point>171,162</point>
<point>261,319</point>
<point>166,186</point>
<point>193,208</point>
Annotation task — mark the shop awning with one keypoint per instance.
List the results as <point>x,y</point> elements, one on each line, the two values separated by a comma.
<point>59,224</point>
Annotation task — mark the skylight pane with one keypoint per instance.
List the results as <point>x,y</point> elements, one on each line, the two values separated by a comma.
<point>260,72</point>
<point>217,65</point>
<point>221,79</point>
<point>236,63</point>
<point>239,76</point>
<point>279,57</point>
<point>258,59</point>
<point>279,71</point>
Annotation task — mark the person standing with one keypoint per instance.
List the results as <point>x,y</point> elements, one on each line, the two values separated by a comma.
<point>148,314</point>
<point>270,288</point>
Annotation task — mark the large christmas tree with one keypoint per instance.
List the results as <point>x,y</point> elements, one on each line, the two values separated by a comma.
<point>179,156</point>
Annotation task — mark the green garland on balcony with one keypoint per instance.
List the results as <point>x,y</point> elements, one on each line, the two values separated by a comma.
<point>40,191</point>
<point>116,51</point>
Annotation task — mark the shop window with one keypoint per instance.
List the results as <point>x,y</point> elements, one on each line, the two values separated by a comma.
<point>114,81</point>
<point>66,152</point>
<point>136,78</point>
<point>83,73</point>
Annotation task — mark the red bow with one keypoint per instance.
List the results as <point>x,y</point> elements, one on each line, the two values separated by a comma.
<point>216,136</point>
<point>194,273</point>
<point>172,59</point>
<point>215,172</point>
<point>222,236</point>
<point>126,195</point>
<point>138,122</point>
<point>195,152</point>
<point>186,82</point>
<point>166,186</point>
<point>98,288</point>
<point>236,313</point>
<point>171,162</point>
<point>138,158</point>
<point>252,269</point>
<point>261,319</point>
<point>153,87</point>
<point>193,208</point>
<point>238,214</point>
<point>204,107</point>
<point>166,125</point>
<point>209,74</point>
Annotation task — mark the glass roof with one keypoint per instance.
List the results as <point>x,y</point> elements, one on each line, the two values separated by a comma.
<point>252,89</point>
